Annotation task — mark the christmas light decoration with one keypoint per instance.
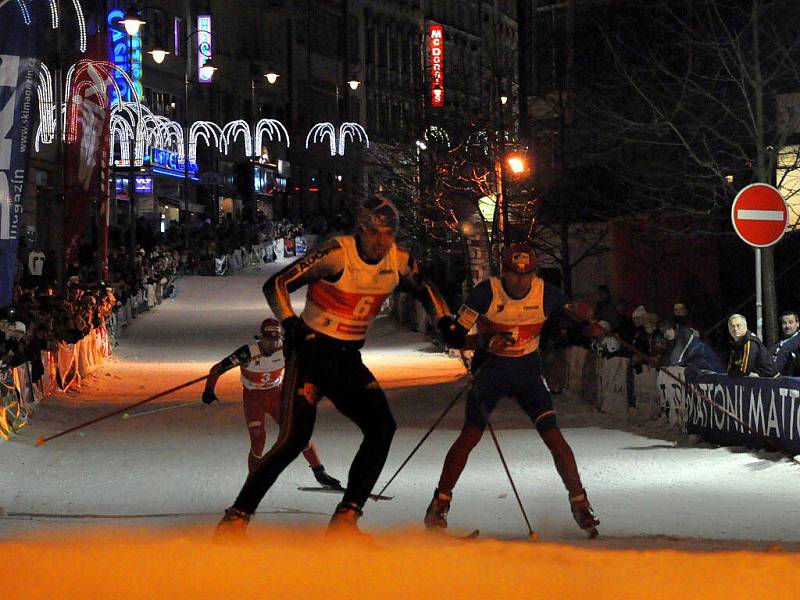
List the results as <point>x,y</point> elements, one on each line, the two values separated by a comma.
<point>54,13</point>
<point>235,128</point>
<point>271,127</point>
<point>47,107</point>
<point>319,132</point>
<point>81,24</point>
<point>208,131</point>
<point>26,15</point>
<point>350,130</point>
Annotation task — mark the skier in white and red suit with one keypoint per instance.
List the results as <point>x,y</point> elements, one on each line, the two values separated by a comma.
<point>510,311</point>
<point>348,279</point>
<point>261,367</point>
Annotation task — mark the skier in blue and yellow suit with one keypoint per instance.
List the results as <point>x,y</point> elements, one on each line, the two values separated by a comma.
<point>509,312</point>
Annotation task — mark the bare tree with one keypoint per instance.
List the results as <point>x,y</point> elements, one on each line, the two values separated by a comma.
<point>704,108</point>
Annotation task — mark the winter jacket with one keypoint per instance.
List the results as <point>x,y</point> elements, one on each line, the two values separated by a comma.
<point>750,356</point>
<point>786,356</point>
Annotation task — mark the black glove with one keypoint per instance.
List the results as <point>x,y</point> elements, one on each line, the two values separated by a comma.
<point>209,396</point>
<point>296,333</point>
<point>452,332</point>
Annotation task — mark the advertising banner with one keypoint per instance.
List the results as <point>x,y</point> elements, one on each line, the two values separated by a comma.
<point>86,153</point>
<point>18,76</point>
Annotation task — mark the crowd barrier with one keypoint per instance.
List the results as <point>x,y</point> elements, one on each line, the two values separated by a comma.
<point>675,396</point>
<point>67,366</point>
<point>62,369</point>
<point>258,254</point>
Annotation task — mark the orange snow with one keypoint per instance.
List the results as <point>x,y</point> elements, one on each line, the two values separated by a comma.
<point>282,564</point>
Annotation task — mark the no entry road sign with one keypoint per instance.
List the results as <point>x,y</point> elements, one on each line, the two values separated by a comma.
<point>759,215</point>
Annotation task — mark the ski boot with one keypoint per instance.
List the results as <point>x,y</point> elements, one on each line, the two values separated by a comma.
<point>326,480</point>
<point>436,515</point>
<point>583,514</point>
<point>344,523</point>
<point>232,526</point>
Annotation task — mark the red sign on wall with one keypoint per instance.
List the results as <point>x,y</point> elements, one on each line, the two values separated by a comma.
<point>436,51</point>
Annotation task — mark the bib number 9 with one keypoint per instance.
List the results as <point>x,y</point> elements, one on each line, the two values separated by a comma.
<point>364,307</point>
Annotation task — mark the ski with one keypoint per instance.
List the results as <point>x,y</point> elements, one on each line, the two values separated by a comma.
<point>592,532</point>
<point>327,490</point>
<point>458,536</point>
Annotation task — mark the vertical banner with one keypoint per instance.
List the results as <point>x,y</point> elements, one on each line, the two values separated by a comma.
<point>18,77</point>
<point>86,154</point>
<point>436,52</point>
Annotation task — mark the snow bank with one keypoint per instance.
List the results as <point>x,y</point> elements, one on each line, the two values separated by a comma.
<point>282,564</point>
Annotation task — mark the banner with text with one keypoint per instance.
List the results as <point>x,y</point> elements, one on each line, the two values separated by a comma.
<point>770,407</point>
<point>19,70</point>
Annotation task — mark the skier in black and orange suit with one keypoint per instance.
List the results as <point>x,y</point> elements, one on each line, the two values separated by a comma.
<point>348,279</point>
<point>262,366</point>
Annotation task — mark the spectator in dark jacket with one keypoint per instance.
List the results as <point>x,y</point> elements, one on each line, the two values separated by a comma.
<point>748,355</point>
<point>786,353</point>
<point>687,349</point>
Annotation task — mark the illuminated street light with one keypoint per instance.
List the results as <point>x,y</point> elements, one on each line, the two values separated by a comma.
<point>354,83</point>
<point>158,55</point>
<point>503,99</point>
<point>132,23</point>
<point>272,77</point>
<point>517,164</point>
<point>208,69</point>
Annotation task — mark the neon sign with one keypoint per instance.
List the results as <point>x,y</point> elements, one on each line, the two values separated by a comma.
<point>169,160</point>
<point>203,46</point>
<point>436,51</point>
<point>126,53</point>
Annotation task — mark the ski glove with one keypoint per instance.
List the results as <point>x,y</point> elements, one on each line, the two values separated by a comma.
<point>296,332</point>
<point>452,333</point>
<point>209,396</point>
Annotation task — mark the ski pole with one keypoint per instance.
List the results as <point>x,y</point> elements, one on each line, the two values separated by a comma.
<point>531,533</point>
<point>42,440</point>
<point>425,437</point>
<point>696,393</point>
<point>144,413</point>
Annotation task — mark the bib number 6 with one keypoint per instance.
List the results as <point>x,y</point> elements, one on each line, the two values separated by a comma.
<point>364,307</point>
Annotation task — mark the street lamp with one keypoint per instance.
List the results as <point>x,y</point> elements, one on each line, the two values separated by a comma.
<point>516,162</point>
<point>132,23</point>
<point>354,83</point>
<point>271,76</point>
<point>208,69</point>
<point>207,72</point>
<point>503,100</point>
<point>158,55</point>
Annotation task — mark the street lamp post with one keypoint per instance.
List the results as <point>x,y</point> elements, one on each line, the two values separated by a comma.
<point>208,69</point>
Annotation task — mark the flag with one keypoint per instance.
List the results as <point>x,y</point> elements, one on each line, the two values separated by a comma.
<point>86,150</point>
<point>19,69</point>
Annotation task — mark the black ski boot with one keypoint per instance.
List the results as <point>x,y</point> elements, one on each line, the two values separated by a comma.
<point>326,480</point>
<point>344,523</point>
<point>232,526</point>
<point>583,514</point>
<point>436,515</point>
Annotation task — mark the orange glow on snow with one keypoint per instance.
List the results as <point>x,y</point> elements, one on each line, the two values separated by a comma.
<point>282,564</point>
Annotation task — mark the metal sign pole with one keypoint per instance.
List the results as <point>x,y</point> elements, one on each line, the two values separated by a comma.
<point>759,298</point>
